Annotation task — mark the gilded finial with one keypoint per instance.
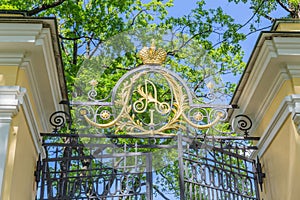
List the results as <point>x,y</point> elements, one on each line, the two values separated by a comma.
<point>150,55</point>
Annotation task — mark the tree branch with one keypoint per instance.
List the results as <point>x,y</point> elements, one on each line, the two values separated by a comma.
<point>160,192</point>
<point>284,6</point>
<point>263,28</point>
<point>75,38</point>
<point>170,182</point>
<point>269,17</point>
<point>95,49</point>
<point>216,44</point>
<point>75,48</point>
<point>134,18</point>
<point>44,7</point>
<point>172,53</point>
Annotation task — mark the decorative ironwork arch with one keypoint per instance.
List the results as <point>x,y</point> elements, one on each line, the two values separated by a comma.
<point>134,93</point>
<point>150,108</point>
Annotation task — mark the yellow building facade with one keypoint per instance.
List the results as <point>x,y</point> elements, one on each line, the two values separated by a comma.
<point>269,92</point>
<point>31,87</point>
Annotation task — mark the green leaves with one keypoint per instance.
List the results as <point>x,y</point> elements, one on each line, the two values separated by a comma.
<point>294,2</point>
<point>85,25</point>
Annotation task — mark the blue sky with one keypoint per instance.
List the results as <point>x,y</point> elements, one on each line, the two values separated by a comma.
<point>241,13</point>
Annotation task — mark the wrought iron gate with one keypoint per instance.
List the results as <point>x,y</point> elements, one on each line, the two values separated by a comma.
<point>152,138</point>
<point>122,167</point>
<point>218,170</point>
<point>72,170</point>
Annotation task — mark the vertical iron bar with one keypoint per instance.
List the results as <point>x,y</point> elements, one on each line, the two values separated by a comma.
<point>42,189</point>
<point>255,180</point>
<point>149,183</point>
<point>181,167</point>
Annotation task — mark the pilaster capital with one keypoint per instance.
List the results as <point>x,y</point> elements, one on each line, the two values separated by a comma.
<point>11,98</point>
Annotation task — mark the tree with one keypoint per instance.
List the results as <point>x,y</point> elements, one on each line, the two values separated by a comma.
<point>85,25</point>
<point>264,9</point>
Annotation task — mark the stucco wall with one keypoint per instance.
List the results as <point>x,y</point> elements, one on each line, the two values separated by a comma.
<point>21,161</point>
<point>270,94</point>
<point>281,164</point>
<point>31,87</point>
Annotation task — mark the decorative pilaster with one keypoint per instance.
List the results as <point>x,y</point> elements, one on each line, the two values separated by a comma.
<point>10,100</point>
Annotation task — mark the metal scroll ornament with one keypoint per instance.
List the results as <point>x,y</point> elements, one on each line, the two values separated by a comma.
<point>152,100</point>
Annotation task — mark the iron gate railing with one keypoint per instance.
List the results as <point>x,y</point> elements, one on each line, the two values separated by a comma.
<point>73,170</point>
<point>124,167</point>
<point>218,171</point>
<point>152,137</point>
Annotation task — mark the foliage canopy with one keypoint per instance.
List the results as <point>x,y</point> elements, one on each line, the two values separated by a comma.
<point>85,25</point>
<point>202,46</point>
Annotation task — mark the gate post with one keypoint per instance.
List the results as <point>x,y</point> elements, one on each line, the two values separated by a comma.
<point>181,167</point>
<point>149,182</point>
<point>270,94</point>
<point>31,86</point>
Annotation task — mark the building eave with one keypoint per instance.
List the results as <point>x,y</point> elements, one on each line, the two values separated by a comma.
<point>47,22</point>
<point>264,35</point>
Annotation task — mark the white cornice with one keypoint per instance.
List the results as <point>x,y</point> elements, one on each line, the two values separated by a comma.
<point>274,86</point>
<point>277,62</point>
<point>30,46</point>
<point>46,42</point>
<point>293,70</point>
<point>37,99</point>
<point>19,32</point>
<point>287,45</point>
<point>267,53</point>
<point>11,59</point>
<point>33,127</point>
<point>288,72</point>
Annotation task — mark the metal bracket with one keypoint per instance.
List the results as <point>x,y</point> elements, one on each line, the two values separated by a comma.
<point>37,172</point>
<point>260,174</point>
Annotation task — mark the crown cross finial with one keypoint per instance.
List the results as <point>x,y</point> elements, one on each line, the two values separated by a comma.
<point>150,55</point>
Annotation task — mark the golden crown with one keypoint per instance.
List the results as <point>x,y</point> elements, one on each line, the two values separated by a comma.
<point>150,55</point>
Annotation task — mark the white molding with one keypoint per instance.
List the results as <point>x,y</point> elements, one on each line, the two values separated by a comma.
<point>36,93</point>
<point>11,59</point>
<point>9,102</point>
<point>296,119</point>
<point>46,42</point>
<point>289,106</point>
<point>33,127</point>
<point>279,80</point>
<point>293,70</point>
<point>31,46</point>
<point>19,32</point>
<point>267,53</point>
<point>277,62</point>
<point>9,107</point>
<point>287,45</point>
<point>285,73</point>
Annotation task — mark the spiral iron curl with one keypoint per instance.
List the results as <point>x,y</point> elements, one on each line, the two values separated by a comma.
<point>58,119</point>
<point>244,123</point>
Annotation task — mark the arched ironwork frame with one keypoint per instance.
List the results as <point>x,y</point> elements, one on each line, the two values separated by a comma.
<point>151,108</point>
<point>156,93</point>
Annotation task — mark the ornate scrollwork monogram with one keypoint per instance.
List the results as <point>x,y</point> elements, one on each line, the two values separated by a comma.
<point>146,103</point>
<point>152,100</point>
<point>147,97</point>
